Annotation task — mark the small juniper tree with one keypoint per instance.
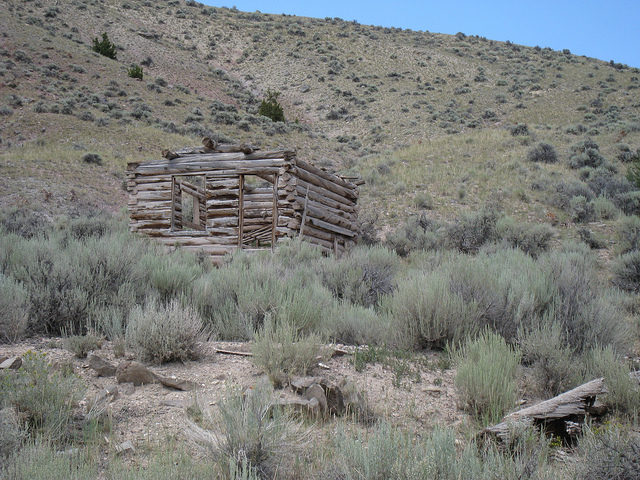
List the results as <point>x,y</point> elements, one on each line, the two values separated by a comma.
<point>104,47</point>
<point>135,72</point>
<point>271,108</point>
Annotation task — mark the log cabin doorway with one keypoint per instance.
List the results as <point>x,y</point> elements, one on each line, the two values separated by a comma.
<point>257,211</point>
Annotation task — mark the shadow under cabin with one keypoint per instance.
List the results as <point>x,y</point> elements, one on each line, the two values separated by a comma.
<point>219,198</point>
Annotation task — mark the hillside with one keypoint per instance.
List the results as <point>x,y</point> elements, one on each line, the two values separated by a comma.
<point>412,112</point>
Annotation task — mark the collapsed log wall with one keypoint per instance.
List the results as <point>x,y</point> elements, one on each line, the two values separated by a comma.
<point>294,198</point>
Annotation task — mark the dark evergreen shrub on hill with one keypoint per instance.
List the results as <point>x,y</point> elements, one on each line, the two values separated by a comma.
<point>271,108</point>
<point>104,47</point>
<point>543,152</point>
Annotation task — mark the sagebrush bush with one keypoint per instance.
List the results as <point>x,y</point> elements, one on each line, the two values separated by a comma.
<point>81,345</point>
<point>24,223</point>
<point>604,209</point>
<point>362,276</point>
<point>43,397</point>
<point>543,152</point>
<point>417,233</point>
<point>546,351</point>
<point>43,460</point>
<point>14,309</point>
<point>472,230</point>
<point>626,271</point>
<point>356,325</point>
<point>11,433</point>
<point>606,453</point>
<point>163,333</point>
<point>531,239</point>
<point>252,433</point>
<point>623,392</point>
<point>628,234</point>
<point>486,376</point>
<point>581,209</point>
<point>283,352</point>
<point>565,191</point>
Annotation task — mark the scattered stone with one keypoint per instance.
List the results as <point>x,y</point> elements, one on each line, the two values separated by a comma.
<point>125,447</point>
<point>134,372</point>
<point>101,366</point>
<point>2,359</point>
<point>12,363</point>
<point>127,388</point>
<point>316,392</point>
<point>302,405</point>
<point>172,382</point>
<point>173,403</point>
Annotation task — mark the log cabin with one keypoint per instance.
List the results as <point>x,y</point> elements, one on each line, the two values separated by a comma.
<point>219,198</point>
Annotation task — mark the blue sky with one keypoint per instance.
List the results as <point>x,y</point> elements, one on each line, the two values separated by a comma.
<point>608,30</point>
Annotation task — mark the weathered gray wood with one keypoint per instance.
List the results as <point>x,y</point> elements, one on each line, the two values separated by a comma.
<point>341,202</point>
<point>330,227</point>
<point>326,184</point>
<point>568,405</point>
<point>326,175</point>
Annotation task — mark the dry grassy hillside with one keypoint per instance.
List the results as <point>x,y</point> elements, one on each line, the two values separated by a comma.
<point>416,113</point>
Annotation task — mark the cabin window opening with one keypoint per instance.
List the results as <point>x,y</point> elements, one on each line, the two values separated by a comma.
<point>189,203</point>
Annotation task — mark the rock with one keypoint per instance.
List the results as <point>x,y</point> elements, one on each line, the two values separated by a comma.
<point>12,363</point>
<point>316,392</point>
<point>2,359</point>
<point>300,384</point>
<point>101,366</point>
<point>172,382</point>
<point>127,388</point>
<point>125,447</point>
<point>134,372</point>
<point>302,405</point>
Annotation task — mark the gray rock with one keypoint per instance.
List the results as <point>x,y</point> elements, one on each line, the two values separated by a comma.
<point>12,363</point>
<point>101,366</point>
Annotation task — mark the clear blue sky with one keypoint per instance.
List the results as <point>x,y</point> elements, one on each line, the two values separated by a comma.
<point>604,29</point>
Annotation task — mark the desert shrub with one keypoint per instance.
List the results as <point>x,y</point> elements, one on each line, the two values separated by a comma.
<point>582,304</point>
<point>235,299</point>
<point>105,47</point>
<point>169,275</point>
<point>581,209</point>
<point>81,345</point>
<point>519,129</point>
<point>531,239</point>
<point>604,182</point>
<point>159,333</point>
<point>92,158</point>
<point>252,433</point>
<point>14,309</point>
<point>486,376</point>
<point>43,397</point>
<point>626,271</point>
<point>22,222</point>
<point>283,352</point>
<point>11,434</point>
<point>626,155</point>
<point>592,240</point>
<point>135,71</point>
<point>546,351</point>
<point>565,191</point>
<point>418,233</point>
<point>356,325</point>
<point>426,313</point>
<point>623,391</point>
<point>604,209</point>
<point>543,152</point>
<point>42,460</point>
<point>586,154</point>
<point>608,453</point>
<point>362,276</point>
<point>423,201</point>
<point>628,234</point>
<point>271,108</point>
<point>473,230</point>
<point>629,202</point>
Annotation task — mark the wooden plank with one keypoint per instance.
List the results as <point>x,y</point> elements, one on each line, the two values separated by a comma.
<point>240,209</point>
<point>327,185</point>
<point>330,227</point>
<point>323,195</point>
<point>324,174</point>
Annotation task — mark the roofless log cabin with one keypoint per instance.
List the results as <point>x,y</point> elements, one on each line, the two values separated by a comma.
<point>220,198</point>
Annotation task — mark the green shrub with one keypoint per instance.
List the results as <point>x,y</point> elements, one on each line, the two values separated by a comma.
<point>581,209</point>
<point>159,333</point>
<point>604,209</point>
<point>11,434</point>
<point>417,233</point>
<point>14,309</point>
<point>252,433</point>
<point>626,271</point>
<point>356,325</point>
<point>487,376</point>
<point>42,460</point>
<point>547,352</point>
<point>43,397</point>
<point>135,71</point>
<point>423,201</point>
<point>628,234</point>
<point>531,239</point>
<point>81,345</point>
<point>282,352</point>
<point>608,453</point>
<point>623,391</point>
<point>105,47</point>
<point>473,230</point>
<point>543,152</point>
<point>362,276</point>
<point>271,108</point>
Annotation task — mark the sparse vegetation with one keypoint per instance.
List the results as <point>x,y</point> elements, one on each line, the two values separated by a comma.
<point>105,47</point>
<point>135,71</point>
<point>271,108</point>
